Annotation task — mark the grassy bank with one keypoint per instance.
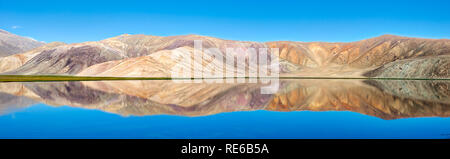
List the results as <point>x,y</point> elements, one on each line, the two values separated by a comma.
<point>38,78</point>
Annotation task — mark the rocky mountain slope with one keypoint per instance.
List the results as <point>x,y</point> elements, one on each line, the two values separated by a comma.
<point>383,99</point>
<point>11,44</point>
<point>360,54</point>
<point>361,57</point>
<point>67,59</point>
<point>13,62</point>
<point>329,59</point>
<point>149,56</point>
<point>73,58</point>
<point>423,67</point>
<point>319,58</point>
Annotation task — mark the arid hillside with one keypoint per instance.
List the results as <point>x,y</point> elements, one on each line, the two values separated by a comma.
<point>11,44</point>
<point>150,56</point>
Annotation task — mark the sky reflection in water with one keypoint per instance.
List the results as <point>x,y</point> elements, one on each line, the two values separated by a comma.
<point>153,109</point>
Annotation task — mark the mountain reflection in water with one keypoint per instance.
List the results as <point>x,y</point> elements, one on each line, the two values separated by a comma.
<point>386,99</point>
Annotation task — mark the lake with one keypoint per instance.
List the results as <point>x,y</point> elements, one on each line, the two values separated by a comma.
<point>299,108</point>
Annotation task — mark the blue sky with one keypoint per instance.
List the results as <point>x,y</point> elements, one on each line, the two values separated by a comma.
<point>274,20</point>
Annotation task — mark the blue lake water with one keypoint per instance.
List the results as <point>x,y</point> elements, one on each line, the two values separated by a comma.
<point>313,110</point>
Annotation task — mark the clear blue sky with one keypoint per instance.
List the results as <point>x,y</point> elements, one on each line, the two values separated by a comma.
<point>261,20</point>
<point>42,121</point>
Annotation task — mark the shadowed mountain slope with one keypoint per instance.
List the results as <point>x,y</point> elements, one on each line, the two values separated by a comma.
<point>12,62</point>
<point>423,67</point>
<point>11,44</point>
<point>147,56</point>
<point>315,58</point>
<point>361,54</point>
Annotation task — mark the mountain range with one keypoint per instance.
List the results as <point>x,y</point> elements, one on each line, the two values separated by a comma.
<point>11,44</point>
<point>147,56</point>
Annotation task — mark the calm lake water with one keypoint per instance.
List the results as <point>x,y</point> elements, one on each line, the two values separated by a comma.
<point>170,109</point>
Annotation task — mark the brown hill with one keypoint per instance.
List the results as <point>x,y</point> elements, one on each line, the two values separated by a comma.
<point>143,55</point>
<point>361,54</point>
<point>383,99</point>
<point>316,58</point>
<point>11,44</point>
<point>423,67</point>
<point>73,58</point>
<point>12,62</point>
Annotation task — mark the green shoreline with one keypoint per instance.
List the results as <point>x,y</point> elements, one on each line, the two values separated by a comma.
<point>41,78</point>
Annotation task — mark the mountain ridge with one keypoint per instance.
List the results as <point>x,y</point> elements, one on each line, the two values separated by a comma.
<point>298,57</point>
<point>11,44</point>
